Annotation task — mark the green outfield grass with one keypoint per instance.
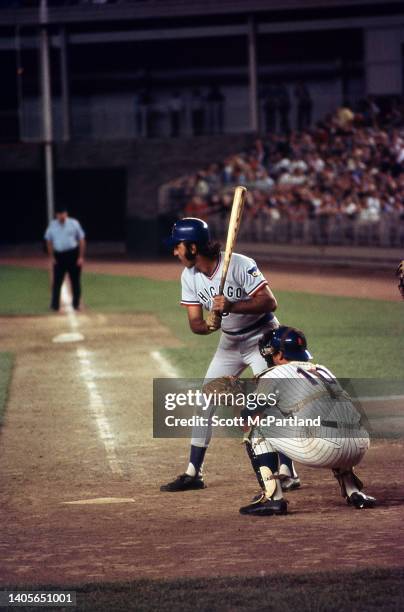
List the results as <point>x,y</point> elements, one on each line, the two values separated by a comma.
<point>23,291</point>
<point>6,365</point>
<point>354,337</point>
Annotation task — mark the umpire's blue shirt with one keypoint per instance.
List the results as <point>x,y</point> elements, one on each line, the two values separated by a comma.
<point>64,236</point>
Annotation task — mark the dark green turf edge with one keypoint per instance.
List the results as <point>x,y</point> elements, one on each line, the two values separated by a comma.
<point>359,591</point>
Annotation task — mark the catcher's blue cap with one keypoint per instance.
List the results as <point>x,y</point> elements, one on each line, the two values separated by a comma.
<point>291,341</point>
<point>189,229</point>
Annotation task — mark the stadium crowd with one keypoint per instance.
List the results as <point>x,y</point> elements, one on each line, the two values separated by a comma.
<point>340,182</point>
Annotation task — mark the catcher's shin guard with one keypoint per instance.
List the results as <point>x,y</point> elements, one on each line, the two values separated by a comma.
<point>266,478</point>
<point>341,475</point>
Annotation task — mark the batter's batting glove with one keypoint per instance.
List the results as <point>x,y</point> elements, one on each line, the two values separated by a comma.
<point>213,321</point>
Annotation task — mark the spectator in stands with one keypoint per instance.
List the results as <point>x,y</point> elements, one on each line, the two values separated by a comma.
<point>338,181</point>
<point>197,207</point>
<point>374,111</point>
<point>344,117</point>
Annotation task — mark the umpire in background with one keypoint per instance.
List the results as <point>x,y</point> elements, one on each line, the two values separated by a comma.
<point>65,241</point>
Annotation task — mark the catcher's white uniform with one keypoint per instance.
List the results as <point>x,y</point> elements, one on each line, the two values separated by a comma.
<point>307,391</point>
<point>238,345</point>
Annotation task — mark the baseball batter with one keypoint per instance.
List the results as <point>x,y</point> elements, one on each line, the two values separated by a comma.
<point>243,313</point>
<point>304,391</point>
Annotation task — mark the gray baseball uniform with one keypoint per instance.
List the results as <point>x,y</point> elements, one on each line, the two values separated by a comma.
<point>238,344</point>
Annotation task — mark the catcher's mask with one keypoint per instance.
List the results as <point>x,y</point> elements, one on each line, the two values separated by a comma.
<point>189,229</point>
<point>291,341</point>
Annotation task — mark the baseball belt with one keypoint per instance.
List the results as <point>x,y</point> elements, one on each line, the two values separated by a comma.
<point>337,425</point>
<point>262,321</point>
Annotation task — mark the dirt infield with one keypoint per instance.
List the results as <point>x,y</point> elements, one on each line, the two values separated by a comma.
<point>80,472</point>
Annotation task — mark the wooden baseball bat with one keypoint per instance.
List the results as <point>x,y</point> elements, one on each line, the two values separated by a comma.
<point>234,226</point>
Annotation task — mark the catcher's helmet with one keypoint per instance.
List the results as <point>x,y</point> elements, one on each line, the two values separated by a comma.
<point>289,340</point>
<point>189,229</point>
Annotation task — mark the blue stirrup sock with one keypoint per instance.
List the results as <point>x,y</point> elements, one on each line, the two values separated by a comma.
<point>196,457</point>
<point>269,460</point>
<point>284,460</point>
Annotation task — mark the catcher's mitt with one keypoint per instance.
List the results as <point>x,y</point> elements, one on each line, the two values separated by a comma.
<point>225,385</point>
<point>400,274</point>
<point>213,321</point>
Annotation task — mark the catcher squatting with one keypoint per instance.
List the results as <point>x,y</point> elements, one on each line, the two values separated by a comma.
<point>243,313</point>
<point>339,443</point>
<point>313,420</point>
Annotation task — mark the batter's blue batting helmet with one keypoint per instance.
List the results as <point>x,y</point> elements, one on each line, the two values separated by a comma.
<point>291,341</point>
<point>190,229</point>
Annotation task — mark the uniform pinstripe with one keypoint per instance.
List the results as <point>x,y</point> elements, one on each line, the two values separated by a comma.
<point>308,390</point>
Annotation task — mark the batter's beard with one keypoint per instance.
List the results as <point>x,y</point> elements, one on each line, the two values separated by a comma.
<point>189,255</point>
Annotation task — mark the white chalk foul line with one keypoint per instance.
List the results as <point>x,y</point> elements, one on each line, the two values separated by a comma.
<point>100,500</point>
<point>69,337</point>
<point>165,366</point>
<point>97,410</point>
<point>96,404</point>
<point>66,300</point>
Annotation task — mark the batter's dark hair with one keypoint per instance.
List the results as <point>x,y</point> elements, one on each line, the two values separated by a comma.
<point>211,250</point>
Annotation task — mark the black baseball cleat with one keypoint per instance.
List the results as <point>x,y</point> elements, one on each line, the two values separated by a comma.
<point>360,500</point>
<point>184,483</point>
<point>290,484</point>
<point>265,507</point>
